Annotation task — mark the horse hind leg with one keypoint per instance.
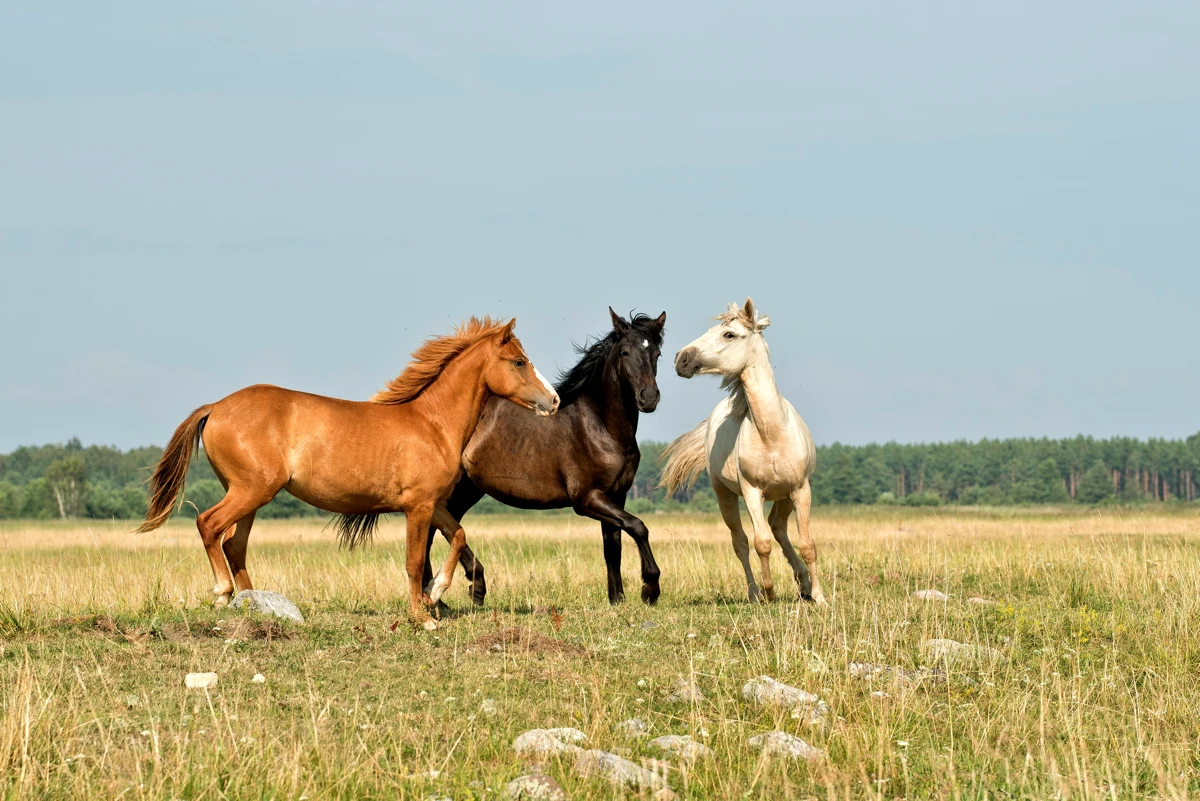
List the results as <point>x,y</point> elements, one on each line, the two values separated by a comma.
<point>213,524</point>
<point>811,588</point>
<point>728,503</point>
<point>235,546</point>
<point>781,510</point>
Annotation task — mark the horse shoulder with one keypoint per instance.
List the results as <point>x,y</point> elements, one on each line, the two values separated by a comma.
<point>722,445</point>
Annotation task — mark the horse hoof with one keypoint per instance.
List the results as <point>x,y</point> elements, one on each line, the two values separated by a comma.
<point>616,598</point>
<point>221,600</point>
<point>478,594</point>
<point>768,594</point>
<point>650,593</point>
<point>430,625</point>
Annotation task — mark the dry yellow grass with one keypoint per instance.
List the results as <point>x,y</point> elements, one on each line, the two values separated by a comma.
<point>1097,620</point>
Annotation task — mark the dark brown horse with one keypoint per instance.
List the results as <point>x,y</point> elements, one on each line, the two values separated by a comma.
<point>585,457</point>
<point>401,451</point>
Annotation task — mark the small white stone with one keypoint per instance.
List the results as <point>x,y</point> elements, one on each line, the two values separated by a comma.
<point>259,679</point>
<point>930,595</point>
<point>488,707</point>
<point>200,681</point>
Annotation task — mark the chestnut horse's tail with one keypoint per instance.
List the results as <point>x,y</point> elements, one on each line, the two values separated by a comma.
<point>166,483</point>
<point>685,459</point>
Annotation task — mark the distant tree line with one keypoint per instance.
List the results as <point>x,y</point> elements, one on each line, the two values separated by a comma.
<point>102,482</point>
<point>985,473</point>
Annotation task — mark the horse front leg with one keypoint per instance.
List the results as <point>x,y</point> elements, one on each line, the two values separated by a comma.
<point>417,519</point>
<point>727,502</point>
<point>598,506</point>
<point>762,535</point>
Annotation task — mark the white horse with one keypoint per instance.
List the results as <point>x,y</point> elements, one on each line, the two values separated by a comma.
<point>754,444</point>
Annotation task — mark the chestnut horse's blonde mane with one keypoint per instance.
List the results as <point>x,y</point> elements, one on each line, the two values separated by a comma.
<point>431,358</point>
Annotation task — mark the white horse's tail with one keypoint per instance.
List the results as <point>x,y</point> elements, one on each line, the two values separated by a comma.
<point>685,459</point>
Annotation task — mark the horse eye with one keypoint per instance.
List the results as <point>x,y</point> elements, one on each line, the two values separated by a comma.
<point>624,353</point>
<point>729,335</point>
<point>519,363</point>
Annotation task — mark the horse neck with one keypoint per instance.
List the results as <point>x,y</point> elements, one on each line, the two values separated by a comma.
<point>757,383</point>
<point>456,397</point>
<point>614,401</point>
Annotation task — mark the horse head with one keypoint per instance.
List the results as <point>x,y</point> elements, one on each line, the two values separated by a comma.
<point>728,347</point>
<point>636,352</point>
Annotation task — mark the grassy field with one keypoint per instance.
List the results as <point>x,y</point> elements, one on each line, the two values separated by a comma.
<point>1095,694</point>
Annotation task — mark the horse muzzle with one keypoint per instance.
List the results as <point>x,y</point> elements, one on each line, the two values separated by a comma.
<point>687,362</point>
<point>546,407</point>
<point>647,399</point>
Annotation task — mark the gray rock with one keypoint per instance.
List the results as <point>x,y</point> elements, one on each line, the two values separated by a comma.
<point>781,744</point>
<point>266,602</point>
<point>977,601</point>
<point>957,654</point>
<point>543,743</point>
<point>617,770</point>
<point>534,787</point>
<point>930,595</point>
<point>681,746</point>
<point>634,727</point>
<point>648,624</point>
<point>766,691</point>
<point>685,692</point>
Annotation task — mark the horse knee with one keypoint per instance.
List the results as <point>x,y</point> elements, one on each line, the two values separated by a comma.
<point>762,546</point>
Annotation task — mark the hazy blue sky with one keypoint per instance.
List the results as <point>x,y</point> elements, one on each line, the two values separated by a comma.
<point>964,222</point>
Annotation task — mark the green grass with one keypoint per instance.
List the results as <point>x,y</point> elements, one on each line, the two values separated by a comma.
<point>1097,616</point>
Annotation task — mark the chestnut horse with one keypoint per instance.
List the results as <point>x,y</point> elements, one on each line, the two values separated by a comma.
<point>400,451</point>
<point>585,458</point>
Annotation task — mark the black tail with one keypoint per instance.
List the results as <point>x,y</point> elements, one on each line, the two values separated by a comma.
<point>353,530</point>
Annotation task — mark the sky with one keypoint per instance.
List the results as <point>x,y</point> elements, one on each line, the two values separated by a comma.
<point>964,220</point>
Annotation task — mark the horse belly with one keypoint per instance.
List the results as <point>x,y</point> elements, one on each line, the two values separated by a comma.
<point>519,477</point>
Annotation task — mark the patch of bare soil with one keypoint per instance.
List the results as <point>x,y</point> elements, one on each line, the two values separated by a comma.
<point>513,640</point>
<point>101,623</point>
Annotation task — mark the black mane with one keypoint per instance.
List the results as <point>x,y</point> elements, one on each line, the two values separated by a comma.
<point>573,383</point>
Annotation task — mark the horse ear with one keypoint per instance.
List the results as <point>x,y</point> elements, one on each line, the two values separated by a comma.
<point>619,324</point>
<point>748,309</point>
<point>507,334</point>
<point>661,320</point>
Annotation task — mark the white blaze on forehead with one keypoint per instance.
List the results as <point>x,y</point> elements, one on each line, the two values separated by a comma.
<point>645,343</point>
<point>542,378</point>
